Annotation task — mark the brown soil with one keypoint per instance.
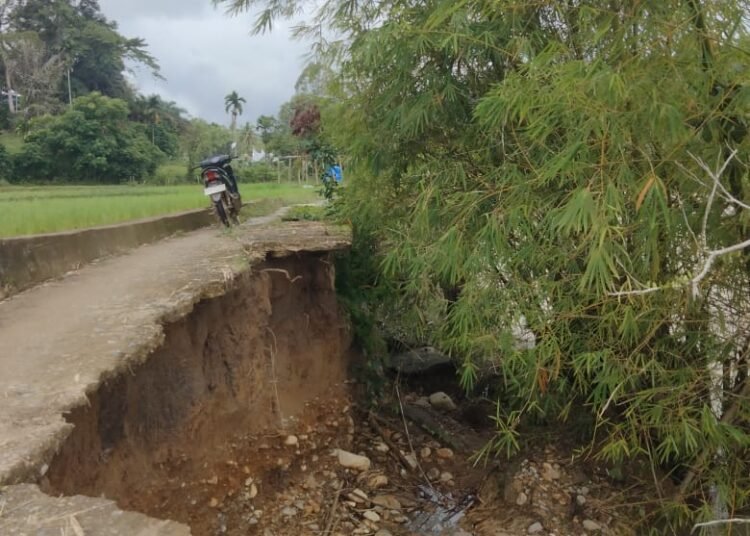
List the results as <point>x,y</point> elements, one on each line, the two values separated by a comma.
<point>249,360</point>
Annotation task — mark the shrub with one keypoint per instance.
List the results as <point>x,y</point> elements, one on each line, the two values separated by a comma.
<point>93,141</point>
<point>6,165</point>
<point>256,172</point>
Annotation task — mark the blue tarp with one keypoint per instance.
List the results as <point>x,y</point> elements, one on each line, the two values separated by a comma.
<point>335,172</point>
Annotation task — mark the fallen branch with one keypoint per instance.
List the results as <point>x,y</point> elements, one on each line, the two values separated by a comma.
<point>282,271</point>
<point>719,522</point>
<point>408,439</point>
<point>432,426</point>
<point>332,516</point>
<point>392,447</point>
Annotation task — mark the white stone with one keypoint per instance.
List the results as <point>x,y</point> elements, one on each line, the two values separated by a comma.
<point>291,441</point>
<point>522,499</point>
<point>361,494</point>
<point>444,453</point>
<point>353,461</point>
<point>442,401</point>
<point>535,528</point>
<point>289,511</point>
<point>371,515</point>
<point>549,472</point>
<point>377,481</point>
<point>387,501</point>
<point>591,525</point>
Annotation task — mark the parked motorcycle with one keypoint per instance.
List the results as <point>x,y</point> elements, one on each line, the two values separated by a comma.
<point>220,184</point>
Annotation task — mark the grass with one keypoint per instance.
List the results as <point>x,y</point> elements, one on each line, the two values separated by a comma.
<point>305,213</point>
<point>26,210</point>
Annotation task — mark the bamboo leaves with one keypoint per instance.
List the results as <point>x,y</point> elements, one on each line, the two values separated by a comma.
<point>516,164</point>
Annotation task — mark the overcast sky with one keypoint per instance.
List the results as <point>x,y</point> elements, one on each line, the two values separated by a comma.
<point>205,54</point>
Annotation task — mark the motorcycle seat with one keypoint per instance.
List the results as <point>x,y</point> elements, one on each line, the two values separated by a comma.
<point>218,160</point>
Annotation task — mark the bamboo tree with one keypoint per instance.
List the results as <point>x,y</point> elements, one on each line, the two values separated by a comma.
<point>534,175</point>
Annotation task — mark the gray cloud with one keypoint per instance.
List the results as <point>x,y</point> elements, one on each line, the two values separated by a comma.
<point>205,54</point>
<point>123,10</point>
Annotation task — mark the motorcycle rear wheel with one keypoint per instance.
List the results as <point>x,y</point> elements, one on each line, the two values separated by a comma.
<point>234,208</point>
<point>221,213</point>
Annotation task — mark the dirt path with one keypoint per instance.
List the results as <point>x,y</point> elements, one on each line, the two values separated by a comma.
<point>58,341</point>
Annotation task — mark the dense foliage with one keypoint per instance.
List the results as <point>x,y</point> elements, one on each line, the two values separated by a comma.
<point>164,120</point>
<point>201,139</point>
<point>92,141</point>
<point>536,172</point>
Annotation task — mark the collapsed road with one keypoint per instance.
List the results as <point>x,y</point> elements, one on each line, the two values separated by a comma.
<point>105,372</point>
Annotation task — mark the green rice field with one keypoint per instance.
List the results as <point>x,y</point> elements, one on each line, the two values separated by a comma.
<point>26,210</point>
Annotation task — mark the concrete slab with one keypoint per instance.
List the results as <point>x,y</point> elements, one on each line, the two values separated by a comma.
<point>26,511</point>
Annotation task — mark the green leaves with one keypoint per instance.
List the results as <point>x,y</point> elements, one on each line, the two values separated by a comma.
<point>578,215</point>
<point>514,163</point>
<point>91,142</point>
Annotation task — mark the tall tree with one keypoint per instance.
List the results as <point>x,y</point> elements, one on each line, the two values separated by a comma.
<point>7,35</point>
<point>201,139</point>
<point>91,48</point>
<point>233,105</point>
<point>248,139</point>
<point>37,74</point>
<point>165,121</point>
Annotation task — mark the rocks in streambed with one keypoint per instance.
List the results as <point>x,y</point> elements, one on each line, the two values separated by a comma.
<point>441,401</point>
<point>535,528</point>
<point>353,461</point>
<point>444,453</point>
<point>377,481</point>
<point>387,501</point>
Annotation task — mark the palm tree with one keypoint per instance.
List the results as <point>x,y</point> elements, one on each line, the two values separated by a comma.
<point>233,104</point>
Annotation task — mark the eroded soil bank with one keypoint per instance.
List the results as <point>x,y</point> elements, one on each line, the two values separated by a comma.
<point>246,361</point>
